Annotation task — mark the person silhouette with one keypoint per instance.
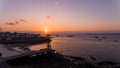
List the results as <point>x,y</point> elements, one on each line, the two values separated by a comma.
<point>48,46</point>
<point>0,54</point>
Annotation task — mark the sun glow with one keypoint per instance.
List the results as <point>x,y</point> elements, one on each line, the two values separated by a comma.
<point>46,30</point>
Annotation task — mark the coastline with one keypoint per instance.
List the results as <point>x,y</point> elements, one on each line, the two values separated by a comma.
<point>13,38</point>
<point>58,60</point>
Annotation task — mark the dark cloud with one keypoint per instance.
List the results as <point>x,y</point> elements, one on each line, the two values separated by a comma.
<point>48,17</point>
<point>23,20</point>
<point>16,22</point>
<point>10,23</point>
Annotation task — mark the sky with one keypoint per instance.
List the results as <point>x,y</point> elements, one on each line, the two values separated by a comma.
<point>60,15</point>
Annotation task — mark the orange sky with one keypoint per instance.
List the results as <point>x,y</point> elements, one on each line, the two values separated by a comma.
<point>59,15</point>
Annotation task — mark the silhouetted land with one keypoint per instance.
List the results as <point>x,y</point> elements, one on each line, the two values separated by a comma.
<point>28,38</point>
<point>62,61</point>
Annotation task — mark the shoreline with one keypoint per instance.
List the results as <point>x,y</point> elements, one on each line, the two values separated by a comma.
<point>58,60</point>
<point>13,38</point>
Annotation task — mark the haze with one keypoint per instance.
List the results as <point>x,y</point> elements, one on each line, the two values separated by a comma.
<point>60,15</point>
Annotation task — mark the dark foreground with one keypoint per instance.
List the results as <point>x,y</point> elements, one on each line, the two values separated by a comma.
<point>61,61</point>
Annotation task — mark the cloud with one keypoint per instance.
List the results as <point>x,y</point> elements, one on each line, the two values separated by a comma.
<point>16,22</point>
<point>10,23</point>
<point>48,17</point>
<point>23,20</point>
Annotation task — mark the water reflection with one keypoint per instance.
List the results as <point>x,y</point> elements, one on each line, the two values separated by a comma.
<point>75,46</point>
<point>23,48</point>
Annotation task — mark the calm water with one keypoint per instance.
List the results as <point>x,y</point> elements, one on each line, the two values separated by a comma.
<point>83,45</point>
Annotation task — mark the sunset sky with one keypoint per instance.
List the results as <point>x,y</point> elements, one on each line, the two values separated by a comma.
<point>60,15</point>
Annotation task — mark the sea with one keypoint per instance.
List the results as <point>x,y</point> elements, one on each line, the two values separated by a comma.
<point>101,46</point>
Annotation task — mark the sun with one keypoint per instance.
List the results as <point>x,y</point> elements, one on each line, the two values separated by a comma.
<point>46,30</point>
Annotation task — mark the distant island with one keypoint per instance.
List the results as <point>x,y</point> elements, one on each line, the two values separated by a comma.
<point>28,38</point>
